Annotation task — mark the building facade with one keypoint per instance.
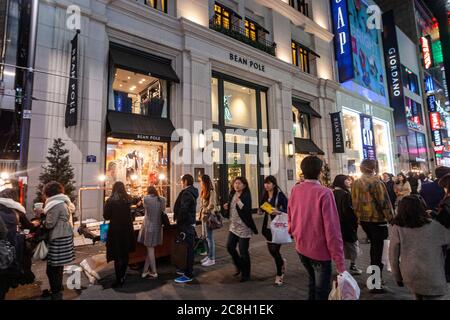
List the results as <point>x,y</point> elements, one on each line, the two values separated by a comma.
<point>251,82</point>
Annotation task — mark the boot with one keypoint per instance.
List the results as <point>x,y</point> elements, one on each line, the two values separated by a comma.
<point>57,296</point>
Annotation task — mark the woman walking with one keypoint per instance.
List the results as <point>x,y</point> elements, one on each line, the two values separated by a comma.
<point>151,231</point>
<point>239,211</point>
<point>121,240</point>
<point>402,188</point>
<point>277,199</point>
<point>58,210</point>
<point>348,220</point>
<point>208,207</point>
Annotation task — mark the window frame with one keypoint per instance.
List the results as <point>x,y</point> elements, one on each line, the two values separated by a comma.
<point>300,57</point>
<point>154,4</point>
<point>222,15</point>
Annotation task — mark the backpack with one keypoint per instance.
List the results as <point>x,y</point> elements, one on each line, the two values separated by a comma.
<point>7,255</point>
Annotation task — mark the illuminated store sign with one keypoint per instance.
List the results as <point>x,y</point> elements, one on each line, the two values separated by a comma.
<point>368,139</point>
<point>426,52</point>
<point>435,120</point>
<point>342,39</point>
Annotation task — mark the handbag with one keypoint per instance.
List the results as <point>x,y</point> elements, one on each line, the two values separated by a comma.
<point>7,255</point>
<point>41,251</point>
<point>165,222</point>
<point>215,221</point>
<point>104,227</point>
<point>179,251</point>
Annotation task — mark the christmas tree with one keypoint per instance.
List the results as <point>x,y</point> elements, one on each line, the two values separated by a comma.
<point>325,177</point>
<point>59,169</point>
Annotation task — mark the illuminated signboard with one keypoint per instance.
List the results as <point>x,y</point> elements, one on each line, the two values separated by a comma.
<point>431,102</point>
<point>342,39</point>
<point>426,52</point>
<point>429,83</point>
<point>437,138</point>
<point>435,120</point>
<point>368,139</point>
<point>438,56</point>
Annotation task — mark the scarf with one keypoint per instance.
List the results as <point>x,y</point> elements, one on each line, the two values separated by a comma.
<point>58,199</point>
<point>11,204</point>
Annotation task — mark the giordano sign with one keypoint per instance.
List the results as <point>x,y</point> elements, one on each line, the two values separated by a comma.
<point>248,62</point>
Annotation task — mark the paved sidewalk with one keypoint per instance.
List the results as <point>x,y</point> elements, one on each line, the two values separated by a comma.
<point>216,282</point>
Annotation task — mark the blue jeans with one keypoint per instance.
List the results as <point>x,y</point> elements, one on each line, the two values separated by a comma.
<point>209,235</point>
<point>319,277</point>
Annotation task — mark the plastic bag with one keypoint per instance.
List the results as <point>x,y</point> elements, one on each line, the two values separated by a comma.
<point>346,288</point>
<point>280,229</point>
<point>41,251</point>
<point>385,257</point>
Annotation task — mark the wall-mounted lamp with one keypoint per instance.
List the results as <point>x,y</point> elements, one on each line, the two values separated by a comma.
<point>201,140</point>
<point>290,149</point>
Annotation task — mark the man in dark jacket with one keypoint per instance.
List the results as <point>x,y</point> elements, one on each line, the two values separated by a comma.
<point>431,192</point>
<point>389,183</point>
<point>185,210</point>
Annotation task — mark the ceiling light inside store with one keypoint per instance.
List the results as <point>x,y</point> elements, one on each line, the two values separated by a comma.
<point>134,177</point>
<point>128,77</point>
<point>143,80</point>
<point>132,88</point>
<point>162,176</point>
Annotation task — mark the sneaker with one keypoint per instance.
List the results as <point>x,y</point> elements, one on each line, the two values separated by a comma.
<point>204,253</point>
<point>145,275</point>
<point>183,279</point>
<point>209,263</point>
<point>279,280</point>
<point>153,275</point>
<point>204,259</point>
<point>355,271</point>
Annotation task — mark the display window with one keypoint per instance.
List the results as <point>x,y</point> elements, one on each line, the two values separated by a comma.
<point>301,124</point>
<point>239,104</point>
<point>353,140</point>
<point>138,164</point>
<point>383,146</point>
<point>137,93</point>
<point>298,169</point>
<point>215,100</point>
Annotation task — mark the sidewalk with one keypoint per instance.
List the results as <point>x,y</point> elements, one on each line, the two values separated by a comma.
<point>216,282</point>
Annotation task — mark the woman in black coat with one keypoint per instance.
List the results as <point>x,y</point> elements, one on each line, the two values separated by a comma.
<point>276,198</point>
<point>121,240</point>
<point>242,226</point>
<point>348,220</point>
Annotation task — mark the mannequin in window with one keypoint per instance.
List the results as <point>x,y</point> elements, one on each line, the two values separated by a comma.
<point>348,141</point>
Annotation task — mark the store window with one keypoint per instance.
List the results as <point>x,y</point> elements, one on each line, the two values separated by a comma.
<point>138,164</point>
<point>215,100</point>
<point>300,57</point>
<point>410,80</point>
<point>298,168</point>
<point>301,124</point>
<point>137,93</point>
<point>239,103</point>
<point>222,16</point>
<point>383,145</point>
<point>353,140</point>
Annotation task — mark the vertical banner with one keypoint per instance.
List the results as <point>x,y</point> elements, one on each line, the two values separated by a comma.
<point>338,139</point>
<point>72,93</point>
<point>342,39</point>
<point>393,71</point>
<point>368,138</point>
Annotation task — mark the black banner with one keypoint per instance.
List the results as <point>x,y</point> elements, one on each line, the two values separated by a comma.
<point>393,71</point>
<point>72,93</point>
<point>338,139</point>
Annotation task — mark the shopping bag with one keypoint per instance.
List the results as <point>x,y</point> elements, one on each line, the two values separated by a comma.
<point>280,229</point>
<point>104,227</point>
<point>345,288</point>
<point>385,257</point>
<point>179,252</point>
<point>334,294</point>
<point>41,251</point>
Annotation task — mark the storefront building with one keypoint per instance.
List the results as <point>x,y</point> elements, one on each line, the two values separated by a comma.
<point>362,105</point>
<point>250,81</point>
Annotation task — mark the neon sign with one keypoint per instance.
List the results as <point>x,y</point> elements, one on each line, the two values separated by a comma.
<point>435,120</point>
<point>426,52</point>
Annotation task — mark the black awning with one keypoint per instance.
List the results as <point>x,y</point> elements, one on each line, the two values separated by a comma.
<point>143,63</point>
<point>307,146</point>
<point>133,126</point>
<point>304,107</point>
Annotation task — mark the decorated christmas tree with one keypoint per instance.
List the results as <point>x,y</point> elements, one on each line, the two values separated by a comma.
<point>325,177</point>
<point>59,169</point>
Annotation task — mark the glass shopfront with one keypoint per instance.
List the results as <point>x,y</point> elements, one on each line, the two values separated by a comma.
<point>138,164</point>
<point>238,112</point>
<point>383,145</point>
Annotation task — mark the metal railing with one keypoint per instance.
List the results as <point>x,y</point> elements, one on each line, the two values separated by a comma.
<point>238,33</point>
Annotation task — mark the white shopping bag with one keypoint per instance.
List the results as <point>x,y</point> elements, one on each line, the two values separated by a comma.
<point>346,288</point>
<point>385,257</point>
<point>280,229</point>
<point>41,251</point>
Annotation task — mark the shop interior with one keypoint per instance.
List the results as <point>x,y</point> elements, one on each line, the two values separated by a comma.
<point>139,94</point>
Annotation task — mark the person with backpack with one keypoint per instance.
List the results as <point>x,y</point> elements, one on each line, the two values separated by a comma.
<point>185,211</point>
<point>276,198</point>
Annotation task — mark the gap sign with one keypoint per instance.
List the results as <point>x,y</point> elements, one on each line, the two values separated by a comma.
<point>342,40</point>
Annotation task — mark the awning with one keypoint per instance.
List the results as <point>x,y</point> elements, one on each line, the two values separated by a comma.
<point>307,146</point>
<point>234,13</point>
<point>137,127</point>
<point>304,107</point>
<point>143,63</point>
